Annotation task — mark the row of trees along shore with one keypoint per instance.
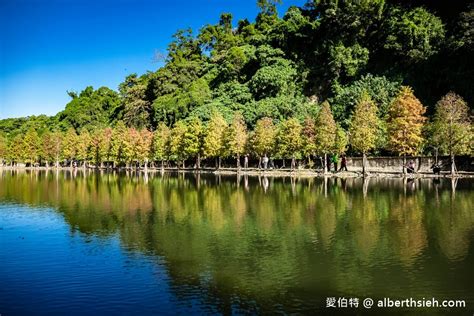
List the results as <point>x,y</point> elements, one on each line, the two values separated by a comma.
<point>306,82</point>
<point>404,130</point>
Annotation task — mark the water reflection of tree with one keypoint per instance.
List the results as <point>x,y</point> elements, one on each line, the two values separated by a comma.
<point>409,236</point>
<point>453,220</point>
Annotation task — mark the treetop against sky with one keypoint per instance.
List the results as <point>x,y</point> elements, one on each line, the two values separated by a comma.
<point>50,47</point>
<point>284,62</point>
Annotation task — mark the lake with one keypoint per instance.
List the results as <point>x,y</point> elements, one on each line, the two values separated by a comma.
<point>124,243</point>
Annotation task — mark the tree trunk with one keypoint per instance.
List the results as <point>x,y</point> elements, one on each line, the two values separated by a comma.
<point>292,163</point>
<point>364,162</point>
<point>325,168</point>
<point>184,164</point>
<point>198,161</point>
<point>259,162</point>
<point>238,161</point>
<point>146,165</point>
<point>404,164</point>
<point>219,162</point>
<point>453,165</point>
<point>162,166</point>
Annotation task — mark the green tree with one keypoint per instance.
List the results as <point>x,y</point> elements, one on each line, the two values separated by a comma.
<point>276,76</point>
<point>3,148</point>
<point>214,139</point>
<point>340,141</point>
<point>347,61</point>
<point>236,138</point>
<point>326,130</point>
<point>144,146</point>
<point>380,89</point>
<point>268,6</point>
<point>105,148</point>
<point>52,147</point>
<point>263,138</point>
<point>140,142</point>
<point>32,147</point>
<point>97,147</point>
<point>16,150</point>
<point>364,127</point>
<point>193,140</point>
<point>83,152</point>
<point>290,140</point>
<point>177,147</point>
<point>405,124</point>
<point>69,149</point>
<point>161,143</point>
<point>309,139</point>
<point>452,127</point>
<point>89,109</point>
<point>414,34</point>
<point>120,146</point>
<point>137,107</point>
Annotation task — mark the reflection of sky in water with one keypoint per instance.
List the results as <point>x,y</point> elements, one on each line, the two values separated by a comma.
<point>214,244</point>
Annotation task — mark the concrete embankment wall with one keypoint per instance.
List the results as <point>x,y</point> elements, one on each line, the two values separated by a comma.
<point>395,164</point>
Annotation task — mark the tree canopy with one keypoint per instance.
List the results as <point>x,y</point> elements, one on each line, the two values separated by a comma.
<point>307,67</point>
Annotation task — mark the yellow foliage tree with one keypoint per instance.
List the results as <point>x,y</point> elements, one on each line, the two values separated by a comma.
<point>363,128</point>
<point>452,128</point>
<point>405,124</point>
<point>326,131</point>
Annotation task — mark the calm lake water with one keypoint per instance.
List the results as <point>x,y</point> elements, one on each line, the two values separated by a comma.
<point>80,244</point>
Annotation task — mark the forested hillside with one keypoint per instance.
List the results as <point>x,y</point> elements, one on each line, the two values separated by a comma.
<point>289,66</point>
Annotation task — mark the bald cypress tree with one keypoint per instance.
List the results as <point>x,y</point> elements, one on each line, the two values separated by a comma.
<point>363,127</point>
<point>177,148</point>
<point>52,143</point>
<point>290,140</point>
<point>263,138</point>
<point>452,127</point>
<point>236,138</point>
<point>325,136</point>
<point>193,140</point>
<point>309,134</point>
<point>214,139</point>
<point>32,146</point>
<point>405,124</point>
<point>161,144</point>
<point>69,149</point>
<point>3,148</point>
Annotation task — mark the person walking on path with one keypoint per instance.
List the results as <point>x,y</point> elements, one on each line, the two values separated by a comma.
<point>436,168</point>
<point>265,162</point>
<point>343,163</point>
<point>411,167</point>
<point>335,161</point>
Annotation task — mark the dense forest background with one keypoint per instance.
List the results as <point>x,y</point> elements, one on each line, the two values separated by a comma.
<point>287,65</point>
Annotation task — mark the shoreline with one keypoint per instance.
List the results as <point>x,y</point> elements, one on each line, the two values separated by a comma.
<point>303,173</point>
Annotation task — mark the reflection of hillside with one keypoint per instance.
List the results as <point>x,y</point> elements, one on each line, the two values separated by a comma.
<point>268,244</point>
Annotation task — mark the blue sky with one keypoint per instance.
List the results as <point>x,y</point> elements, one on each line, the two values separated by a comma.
<point>50,46</point>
